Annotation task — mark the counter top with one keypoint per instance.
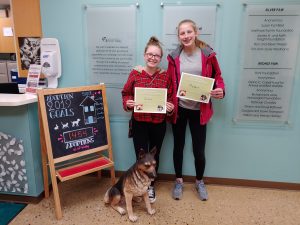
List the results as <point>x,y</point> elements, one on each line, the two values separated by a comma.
<point>17,99</point>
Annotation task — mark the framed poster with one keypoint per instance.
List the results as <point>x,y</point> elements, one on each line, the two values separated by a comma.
<point>29,51</point>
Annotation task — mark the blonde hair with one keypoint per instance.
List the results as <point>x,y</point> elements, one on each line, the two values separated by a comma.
<point>198,42</point>
<point>153,41</point>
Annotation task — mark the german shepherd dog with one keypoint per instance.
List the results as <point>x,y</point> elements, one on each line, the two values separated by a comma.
<point>133,183</point>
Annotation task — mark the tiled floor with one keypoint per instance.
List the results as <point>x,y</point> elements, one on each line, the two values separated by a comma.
<point>82,203</point>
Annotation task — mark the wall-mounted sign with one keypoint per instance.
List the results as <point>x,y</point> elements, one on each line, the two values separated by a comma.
<point>203,16</point>
<point>111,36</point>
<point>268,65</point>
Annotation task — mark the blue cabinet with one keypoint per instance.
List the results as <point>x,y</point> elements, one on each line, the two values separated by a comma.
<point>20,155</point>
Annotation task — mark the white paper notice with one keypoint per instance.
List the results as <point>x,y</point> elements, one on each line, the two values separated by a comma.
<point>7,32</point>
<point>33,78</point>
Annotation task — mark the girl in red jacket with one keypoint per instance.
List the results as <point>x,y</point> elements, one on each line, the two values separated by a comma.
<point>194,57</point>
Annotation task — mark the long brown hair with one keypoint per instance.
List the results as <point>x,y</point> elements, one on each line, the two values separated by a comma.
<point>198,42</point>
<point>153,41</point>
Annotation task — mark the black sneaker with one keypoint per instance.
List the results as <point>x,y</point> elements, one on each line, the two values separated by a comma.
<point>151,194</point>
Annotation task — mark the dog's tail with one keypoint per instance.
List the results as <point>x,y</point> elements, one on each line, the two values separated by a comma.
<point>112,195</point>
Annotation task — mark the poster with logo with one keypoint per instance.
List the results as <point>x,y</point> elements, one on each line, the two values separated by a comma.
<point>111,40</point>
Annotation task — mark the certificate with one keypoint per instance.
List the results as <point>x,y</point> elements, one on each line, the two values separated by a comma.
<point>195,87</point>
<point>150,100</point>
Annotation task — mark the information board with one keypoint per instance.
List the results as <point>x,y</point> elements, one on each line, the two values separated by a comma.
<point>111,42</point>
<point>269,59</point>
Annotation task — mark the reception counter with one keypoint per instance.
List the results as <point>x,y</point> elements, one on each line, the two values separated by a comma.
<point>20,155</point>
<point>17,99</point>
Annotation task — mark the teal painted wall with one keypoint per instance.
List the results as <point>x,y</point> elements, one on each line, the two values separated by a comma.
<point>248,151</point>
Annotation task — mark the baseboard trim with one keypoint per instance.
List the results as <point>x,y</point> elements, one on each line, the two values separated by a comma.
<point>225,181</point>
<point>253,183</point>
<point>21,198</point>
<point>170,177</point>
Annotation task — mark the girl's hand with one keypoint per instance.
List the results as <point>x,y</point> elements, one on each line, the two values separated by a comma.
<point>170,107</point>
<point>130,104</point>
<point>217,93</point>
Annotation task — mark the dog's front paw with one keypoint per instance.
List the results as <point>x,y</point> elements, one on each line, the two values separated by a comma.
<point>122,211</point>
<point>119,210</point>
<point>151,211</point>
<point>133,218</point>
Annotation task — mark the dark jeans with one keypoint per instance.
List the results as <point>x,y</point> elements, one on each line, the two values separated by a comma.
<point>198,133</point>
<point>148,135</point>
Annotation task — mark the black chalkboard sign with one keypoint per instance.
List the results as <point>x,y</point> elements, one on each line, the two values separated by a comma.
<point>74,131</point>
<point>76,121</point>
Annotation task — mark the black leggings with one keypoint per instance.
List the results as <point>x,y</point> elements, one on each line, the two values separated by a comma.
<point>198,133</point>
<point>148,135</point>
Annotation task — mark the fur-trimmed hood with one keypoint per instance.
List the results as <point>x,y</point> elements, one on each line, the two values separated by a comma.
<point>140,68</point>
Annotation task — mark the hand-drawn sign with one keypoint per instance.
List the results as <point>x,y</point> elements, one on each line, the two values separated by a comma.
<point>76,121</point>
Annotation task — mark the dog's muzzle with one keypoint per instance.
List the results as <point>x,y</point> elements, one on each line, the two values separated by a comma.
<point>152,175</point>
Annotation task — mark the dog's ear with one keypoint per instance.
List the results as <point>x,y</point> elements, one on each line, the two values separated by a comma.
<point>142,153</point>
<point>153,150</point>
<point>26,41</point>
